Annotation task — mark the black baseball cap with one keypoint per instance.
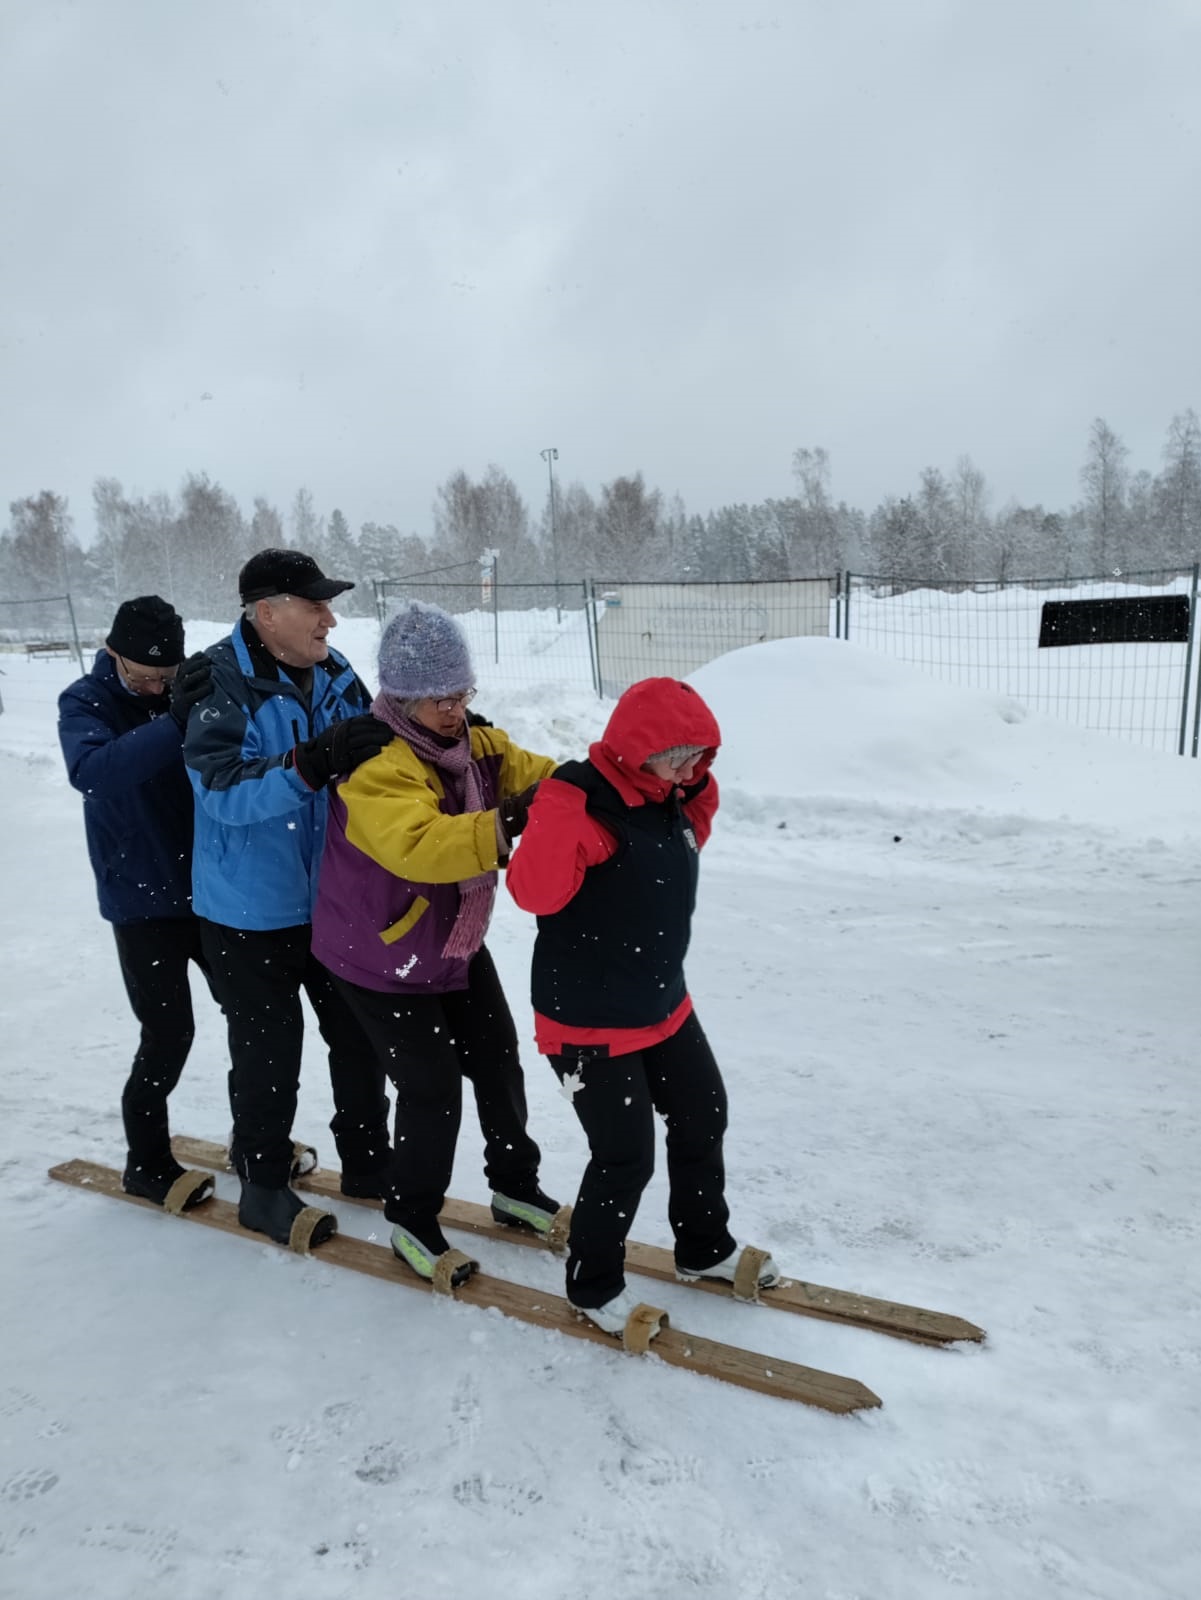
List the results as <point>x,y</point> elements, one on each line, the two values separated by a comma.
<point>287,572</point>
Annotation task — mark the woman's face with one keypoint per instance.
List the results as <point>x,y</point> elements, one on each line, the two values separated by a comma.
<point>675,771</point>
<point>445,715</point>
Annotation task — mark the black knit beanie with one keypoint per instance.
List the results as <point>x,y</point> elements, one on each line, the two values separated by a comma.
<point>148,632</point>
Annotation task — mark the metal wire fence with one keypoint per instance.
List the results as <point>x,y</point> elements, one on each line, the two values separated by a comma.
<point>1111,653</point>
<point>607,635</point>
<point>1117,653</point>
<point>524,634</point>
<point>41,627</point>
<point>649,630</point>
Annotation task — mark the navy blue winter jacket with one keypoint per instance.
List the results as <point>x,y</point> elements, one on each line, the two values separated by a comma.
<point>123,753</point>
<point>260,829</point>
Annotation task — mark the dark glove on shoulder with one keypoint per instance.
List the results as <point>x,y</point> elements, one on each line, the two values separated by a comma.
<point>191,685</point>
<point>340,748</point>
<point>515,811</point>
<point>474,720</point>
<point>691,790</point>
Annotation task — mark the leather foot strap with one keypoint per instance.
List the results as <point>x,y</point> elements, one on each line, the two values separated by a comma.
<point>746,1273</point>
<point>188,1190</point>
<point>303,1226</point>
<point>299,1153</point>
<point>446,1266</point>
<point>642,1324</point>
<point>556,1236</point>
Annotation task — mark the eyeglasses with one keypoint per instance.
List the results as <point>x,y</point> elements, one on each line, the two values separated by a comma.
<point>141,680</point>
<point>454,701</point>
<point>684,758</point>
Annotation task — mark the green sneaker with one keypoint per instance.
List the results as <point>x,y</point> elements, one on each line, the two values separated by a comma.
<point>537,1211</point>
<point>422,1256</point>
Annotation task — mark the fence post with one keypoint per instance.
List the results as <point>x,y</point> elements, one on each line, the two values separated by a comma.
<point>846,610</point>
<point>838,604</point>
<point>495,607</point>
<point>589,624</point>
<point>1188,666</point>
<point>75,633</point>
<point>594,638</point>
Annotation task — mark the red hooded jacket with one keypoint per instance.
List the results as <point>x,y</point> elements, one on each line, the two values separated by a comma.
<point>563,840</point>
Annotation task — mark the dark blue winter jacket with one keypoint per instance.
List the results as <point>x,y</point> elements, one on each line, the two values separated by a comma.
<point>260,829</point>
<point>124,755</point>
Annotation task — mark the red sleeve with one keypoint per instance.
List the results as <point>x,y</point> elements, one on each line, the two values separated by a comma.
<point>560,842</point>
<point>701,810</point>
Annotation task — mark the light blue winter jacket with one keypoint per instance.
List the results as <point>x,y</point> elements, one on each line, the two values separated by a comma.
<point>259,828</point>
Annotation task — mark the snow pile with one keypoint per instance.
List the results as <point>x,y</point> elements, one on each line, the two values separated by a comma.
<point>821,721</point>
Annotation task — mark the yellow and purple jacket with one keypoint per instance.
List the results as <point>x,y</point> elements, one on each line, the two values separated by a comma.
<point>395,854</point>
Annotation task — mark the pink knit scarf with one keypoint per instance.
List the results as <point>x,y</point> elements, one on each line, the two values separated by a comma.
<point>461,780</point>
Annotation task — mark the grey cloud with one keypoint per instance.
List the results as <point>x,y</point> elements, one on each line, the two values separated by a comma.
<point>392,240</point>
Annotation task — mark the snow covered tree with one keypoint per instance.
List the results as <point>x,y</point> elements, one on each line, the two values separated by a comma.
<point>211,548</point>
<point>44,547</point>
<point>817,547</point>
<point>629,540</point>
<point>1180,489</point>
<point>471,517</point>
<point>575,532</point>
<point>897,541</point>
<point>969,494</point>
<point>1104,478</point>
<point>266,527</point>
<point>340,552</point>
<point>936,558</point>
<point>306,527</point>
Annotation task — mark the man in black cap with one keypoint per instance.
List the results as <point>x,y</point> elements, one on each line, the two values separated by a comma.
<point>285,715</point>
<point>121,730</point>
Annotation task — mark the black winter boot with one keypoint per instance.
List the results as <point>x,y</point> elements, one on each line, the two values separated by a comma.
<point>371,1185</point>
<point>155,1181</point>
<point>273,1211</point>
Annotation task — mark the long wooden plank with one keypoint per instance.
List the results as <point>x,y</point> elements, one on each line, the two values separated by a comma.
<point>652,1261</point>
<point>786,1380</point>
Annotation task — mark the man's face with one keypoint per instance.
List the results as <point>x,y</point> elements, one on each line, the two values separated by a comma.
<point>295,630</point>
<point>140,678</point>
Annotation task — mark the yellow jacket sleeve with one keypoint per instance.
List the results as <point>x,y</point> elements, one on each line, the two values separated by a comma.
<point>393,815</point>
<point>519,768</point>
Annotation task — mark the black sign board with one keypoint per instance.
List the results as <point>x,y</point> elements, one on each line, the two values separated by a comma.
<point>1156,619</point>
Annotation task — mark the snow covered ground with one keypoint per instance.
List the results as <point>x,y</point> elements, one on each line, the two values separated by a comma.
<point>947,953</point>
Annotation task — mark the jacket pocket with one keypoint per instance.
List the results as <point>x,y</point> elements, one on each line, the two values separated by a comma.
<point>410,919</point>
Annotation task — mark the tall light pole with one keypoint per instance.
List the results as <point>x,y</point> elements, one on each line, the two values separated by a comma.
<point>550,455</point>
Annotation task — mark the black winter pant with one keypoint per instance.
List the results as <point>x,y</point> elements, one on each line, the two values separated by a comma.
<point>154,958</point>
<point>257,976</point>
<point>615,1102</point>
<point>427,1044</point>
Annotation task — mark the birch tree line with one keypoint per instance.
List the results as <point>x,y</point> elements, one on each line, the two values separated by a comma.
<point>190,546</point>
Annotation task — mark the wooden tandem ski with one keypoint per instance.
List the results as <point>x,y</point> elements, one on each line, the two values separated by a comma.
<point>745,1368</point>
<point>652,1261</point>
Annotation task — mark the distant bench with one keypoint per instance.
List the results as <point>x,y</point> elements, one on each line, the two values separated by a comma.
<point>50,647</point>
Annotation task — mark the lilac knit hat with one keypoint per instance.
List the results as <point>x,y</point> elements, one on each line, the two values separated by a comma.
<point>423,654</point>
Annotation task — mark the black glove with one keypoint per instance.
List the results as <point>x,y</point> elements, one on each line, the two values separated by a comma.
<point>474,720</point>
<point>190,686</point>
<point>515,811</point>
<point>691,790</point>
<point>340,748</point>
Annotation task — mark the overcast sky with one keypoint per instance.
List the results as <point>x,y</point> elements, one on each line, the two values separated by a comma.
<point>358,245</point>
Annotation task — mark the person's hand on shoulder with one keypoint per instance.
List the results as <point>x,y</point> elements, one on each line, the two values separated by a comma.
<point>515,812</point>
<point>190,686</point>
<point>337,750</point>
